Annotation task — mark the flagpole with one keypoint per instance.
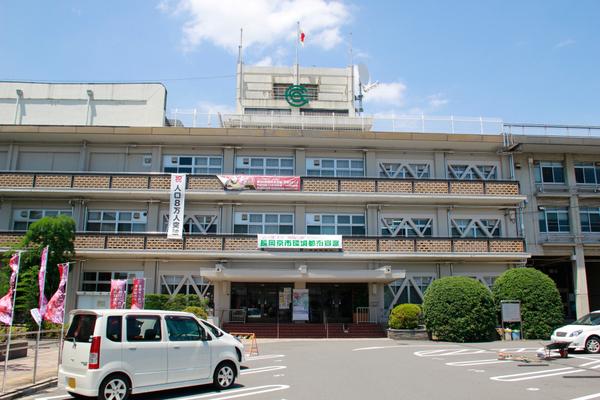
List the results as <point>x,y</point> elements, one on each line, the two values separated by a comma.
<point>40,305</point>
<point>297,62</point>
<point>12,315</point>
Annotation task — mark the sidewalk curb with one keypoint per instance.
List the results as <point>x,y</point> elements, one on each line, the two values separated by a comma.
<point>29,389</point>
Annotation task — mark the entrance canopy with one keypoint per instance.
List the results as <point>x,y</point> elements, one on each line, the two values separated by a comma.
<point>381,275</point>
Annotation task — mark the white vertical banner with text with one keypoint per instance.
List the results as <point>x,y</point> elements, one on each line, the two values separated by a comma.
<point>176,208</point>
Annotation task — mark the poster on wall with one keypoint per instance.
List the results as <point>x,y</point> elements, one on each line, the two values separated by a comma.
<point>285,298</point>
<point>176,207</point>
<point>300,305</point>
<point>260,182</point>
<point>138,292</point>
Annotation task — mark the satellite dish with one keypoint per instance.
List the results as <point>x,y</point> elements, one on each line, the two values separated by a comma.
<point>363,74</point>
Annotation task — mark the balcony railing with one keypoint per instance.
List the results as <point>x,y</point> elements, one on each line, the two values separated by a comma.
<point>248,243</point>
<point>577,131</point>
<point>200,183</point>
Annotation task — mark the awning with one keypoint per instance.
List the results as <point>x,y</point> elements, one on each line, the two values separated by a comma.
<point>381,275</point>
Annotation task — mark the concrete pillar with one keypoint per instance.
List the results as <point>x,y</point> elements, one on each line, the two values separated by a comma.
<point>153,224</point>
<point>228,160</point>
<point>299,219</point>
<point>222,299</point>
<point>441,222</point>
<point>227,218</point>
<point>372,219</point>
<point>6,215</point>
<point>13,157</point>
<point>150,275</point>
<point>371,169</point>
<point>439,165</point>
<point>156,159</point>
<point>582,304</point>
<point>300,162</point>
<point>83,156</point>
<point>79,214</point>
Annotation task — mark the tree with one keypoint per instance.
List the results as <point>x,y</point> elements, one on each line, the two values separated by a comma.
<point>405,316</point>
<point>459,309</point>
<point>59,234</point>
<point>541,306</point>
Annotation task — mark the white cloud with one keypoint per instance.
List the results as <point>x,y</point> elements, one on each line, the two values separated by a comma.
<point>207,107</point>
<point>436,101</point>
<point>265,22</point>
<point>564,43</point>
<point>389,94</point>
<point>264,62</point>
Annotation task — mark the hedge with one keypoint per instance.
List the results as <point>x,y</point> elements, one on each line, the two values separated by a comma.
<point>459,309</point>
<point>541,306</point>
<point>405,316</point>
<point>167,302</point>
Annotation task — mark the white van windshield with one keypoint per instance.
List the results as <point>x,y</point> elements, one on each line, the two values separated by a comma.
<point>82,328</point>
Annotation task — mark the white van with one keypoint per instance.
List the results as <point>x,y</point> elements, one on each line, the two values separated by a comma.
<point>110,354</point>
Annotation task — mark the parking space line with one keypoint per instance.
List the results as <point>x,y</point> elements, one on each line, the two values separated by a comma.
<point>588,397</point>
<point>590,363</point>
<point>517,350</point>
<point>449,352</point>
<point>262,369</point>
<point>476,362</point>
<point>265,357</point>
<point>236,393</point>
<point>535,375</point>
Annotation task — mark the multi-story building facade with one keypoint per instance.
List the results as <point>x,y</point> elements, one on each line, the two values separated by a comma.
<point>410,206</point>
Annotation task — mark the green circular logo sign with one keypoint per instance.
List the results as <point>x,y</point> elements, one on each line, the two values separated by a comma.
<point>296,95</point>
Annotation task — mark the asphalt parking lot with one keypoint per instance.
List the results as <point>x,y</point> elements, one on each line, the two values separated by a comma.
<point>386,369</point>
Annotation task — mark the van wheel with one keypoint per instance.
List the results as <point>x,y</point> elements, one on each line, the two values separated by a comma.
<point>592,345</point>
<point>114,387</point>
<point>224,375</point>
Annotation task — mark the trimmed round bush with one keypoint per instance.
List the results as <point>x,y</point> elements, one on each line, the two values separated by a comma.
<point>197,311</point>
<point>459,309</point>
<point>405,316</point>
<point>541,306</point>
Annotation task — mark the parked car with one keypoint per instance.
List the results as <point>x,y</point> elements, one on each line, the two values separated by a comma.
<point>111,354</point>
<point>583,334</point>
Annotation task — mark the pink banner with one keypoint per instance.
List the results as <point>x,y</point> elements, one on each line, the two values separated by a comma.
<point>137,294</point>
<point>260,182</point>
<point>55,310</point>
<point>118,293</point>
<point>6,303</point>
<point>37,313</point>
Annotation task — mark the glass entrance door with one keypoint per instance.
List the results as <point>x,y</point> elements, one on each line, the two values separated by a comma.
<point>262,302</point>
<point>336,302</point>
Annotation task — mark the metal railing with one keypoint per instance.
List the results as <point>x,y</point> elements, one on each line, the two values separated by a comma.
<point>377,123</point>
<point>367,315</point>
<point>233,315</point>
<point>525,129</point>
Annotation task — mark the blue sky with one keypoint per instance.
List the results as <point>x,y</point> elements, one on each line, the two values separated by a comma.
<point>522,61</point>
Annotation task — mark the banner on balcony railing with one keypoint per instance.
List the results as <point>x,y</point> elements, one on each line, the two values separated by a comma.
<point>299,242</point>
<point>177,205</point>
<point>137,293</point>
<point>260,182</point>
<point>118,293</point>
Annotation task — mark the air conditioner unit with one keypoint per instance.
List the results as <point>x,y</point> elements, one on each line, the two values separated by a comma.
<point>317,163</point>
<point>147,161</point>
<point>139,216</point>
<point>174,160</point>
<point>317,218</point>
<point>246,161</point>
<point>244,217</point>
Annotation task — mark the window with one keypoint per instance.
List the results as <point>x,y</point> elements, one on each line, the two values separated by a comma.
<point>22,218</point>
<point>489,281</point>
<point>213,329</point>
<point>400,170</point>
<point>116,221</point>
<point>267,111</point>
<point>143,328</point>
<point>183,329</point>
<point>554,220</point>
<point>82,328</point>
<point>280,88</point>
<point>100,281</point>
<point>587,173</point>
<point>549,172</point>
<point>590,219</point>
<point>195,224</point>
<point>335,224</point>
<point>334,167</point>
<point>407,227</point>
<point>193,164</point>
<point>114,328</point>
<point>475,228</point>
<point>407,290</point>
<point>472,172</point>
<point>283,166</point>
<point>255,223</point>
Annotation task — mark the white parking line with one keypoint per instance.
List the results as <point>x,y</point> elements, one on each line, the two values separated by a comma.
<point>517,350</point>
<point>449,352</point>
<point>404,346</point>
<point>476,362</point>
<point>588,397</point>
<point>590,363</point>
<point>262,369</point>
<point>53,397</point>
<point>236,393</point>
<point>265,357</point>
<point>535,375</point>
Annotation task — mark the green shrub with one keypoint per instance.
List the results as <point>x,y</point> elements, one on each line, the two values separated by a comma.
<point>459,309</point>
<point>171,303</point>
<point>197,311</point>
<point>541,306</point>
<point>405,316</point>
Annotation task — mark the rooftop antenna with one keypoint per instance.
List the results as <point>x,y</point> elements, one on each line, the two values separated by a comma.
<point>364,85</point>
<point>297,61</point>
<point>240,70</point>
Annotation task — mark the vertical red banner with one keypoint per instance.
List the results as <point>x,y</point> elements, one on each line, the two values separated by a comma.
<point>137,293</point>
<point>6,302</point>
<point>118,293</point>
<point>55,310</point>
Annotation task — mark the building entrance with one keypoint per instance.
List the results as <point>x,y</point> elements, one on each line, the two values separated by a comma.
<point>336,302</point>
<point>263,302</point>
